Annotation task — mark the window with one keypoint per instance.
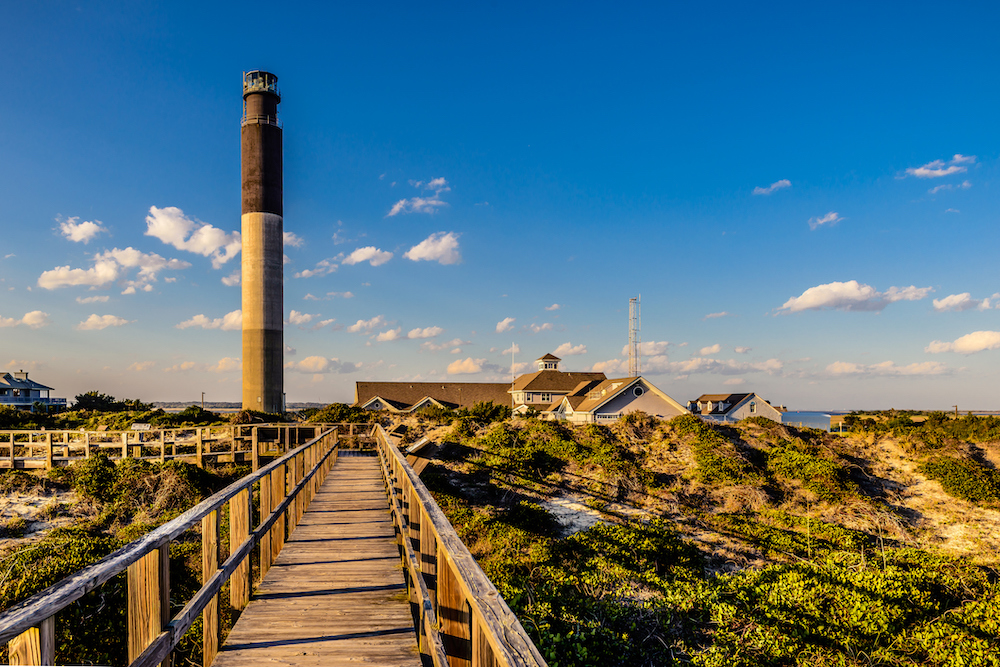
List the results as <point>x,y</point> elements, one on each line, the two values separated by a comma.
<point>753,407</point>
<point>638,391</point>
<point>376,406</point>
<point>546,398</point>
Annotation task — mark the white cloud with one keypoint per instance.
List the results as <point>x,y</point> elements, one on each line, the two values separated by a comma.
<point>554,306</point>
<point>506,324</point>
<point>232,279</point>
<point>712,316</point>
<point>97,322</point>
<point>227,365</point>
<point>35,319</point>
<point>960,302</point>
<point>662,365</point>
<point>181,367</point>
<point>292,239</point>
<point>711,349</point>
<point>569,350</point>
<point>977,341</point>
<point>610,367</point>
<point>742,350</point>
<point>171,226</point>
<point>323,268</point>
<point>390,334</point>
<point>141,366</point>
<point>342,295</point>
<point>830,218</point>
<point>441,247</point>
<point>102,273</point>
<point>649,348</point>
<point>80,232</point>
<point>465,366</point>
<point>316,364</point>
<point>852,295</point>
<point>369,254</point>
<point>428,204</point>
<point>939,168</point>
<point>295,318</point>
<point>92,299</point>
<point>367,325</point>
<point>886,368</point>
<point>437,347</point>
<point>536,328</point>
<point>513,349</point>
<point>734,381</point>
<point>773,187</point>
<point>964,185</point>
<point>231,321</point>
<point>427,332</point>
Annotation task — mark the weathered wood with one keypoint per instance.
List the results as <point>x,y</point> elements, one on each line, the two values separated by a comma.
<point>200,449</point>
<point>266,506</point>
<point>239,530</point>
<point>211,630</point>
<point>455,619</point>
<point>277,531</point>
<point>148,592</point>
<point>48,450</point>
<point>428,556</point>
<point>35,646</point>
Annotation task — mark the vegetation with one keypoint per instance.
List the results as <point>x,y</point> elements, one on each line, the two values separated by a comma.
<point>98,402</point>
<point>338,413</point>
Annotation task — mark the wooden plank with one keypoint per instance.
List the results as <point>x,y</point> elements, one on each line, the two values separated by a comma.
<point>239,531</point>
<point>211,633</point>
<point>35,646</point>
<point>278,529</point>
<point>454,617</point>
<point>266,507</point>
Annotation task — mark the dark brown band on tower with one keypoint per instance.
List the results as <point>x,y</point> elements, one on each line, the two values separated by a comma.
<point>261,147</point>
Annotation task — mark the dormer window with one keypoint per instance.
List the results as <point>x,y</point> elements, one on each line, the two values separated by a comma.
<point>753,407</point>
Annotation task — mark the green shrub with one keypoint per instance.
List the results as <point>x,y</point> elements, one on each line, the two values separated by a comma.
<point>964,478</point>
<point>827,479</point>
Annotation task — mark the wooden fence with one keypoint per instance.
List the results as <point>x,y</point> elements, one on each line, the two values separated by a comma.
<point>461,619</point>
<point>27,449</point>
<point>280,490</point>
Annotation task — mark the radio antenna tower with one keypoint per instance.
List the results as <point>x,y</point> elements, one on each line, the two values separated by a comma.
<point>634,339</point>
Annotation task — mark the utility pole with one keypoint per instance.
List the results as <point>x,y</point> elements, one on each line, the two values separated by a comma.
<point>203,401</point>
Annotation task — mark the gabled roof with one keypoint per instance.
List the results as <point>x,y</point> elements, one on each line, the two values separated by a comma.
<point>8,380</point>
<point>548,357</point>
<point>459,394</point>
<point>731,402</point>
<point>557,381</point>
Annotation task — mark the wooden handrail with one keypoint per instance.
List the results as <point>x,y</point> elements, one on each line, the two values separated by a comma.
<point>459,607</point>
<point>28,627</point>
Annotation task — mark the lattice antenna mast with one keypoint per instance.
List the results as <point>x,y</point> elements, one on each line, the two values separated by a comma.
<point>634,337</point>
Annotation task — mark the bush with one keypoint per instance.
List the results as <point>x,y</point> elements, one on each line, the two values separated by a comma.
<point>964,478</point>
<point>339,413</point>
<point>827,479</point>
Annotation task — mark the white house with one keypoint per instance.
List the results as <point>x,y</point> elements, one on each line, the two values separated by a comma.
<point>612,398</point>
<point>733,407</point>
<point>18,391</point>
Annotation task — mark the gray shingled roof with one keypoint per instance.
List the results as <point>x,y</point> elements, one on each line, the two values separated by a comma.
<point>461,394</point>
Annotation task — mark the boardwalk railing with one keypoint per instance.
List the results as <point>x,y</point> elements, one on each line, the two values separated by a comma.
<point>280,491</point>
<point>460,617</point>
<point>25,449</point>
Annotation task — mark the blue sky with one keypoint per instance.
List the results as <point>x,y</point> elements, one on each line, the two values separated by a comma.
<point>805,198</point>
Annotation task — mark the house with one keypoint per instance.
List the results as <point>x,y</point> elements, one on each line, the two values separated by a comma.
<point>406,397</point>
<point>733,407</point>
<point>548,385</point>
<point>18,391</point>
<point>610,399</point>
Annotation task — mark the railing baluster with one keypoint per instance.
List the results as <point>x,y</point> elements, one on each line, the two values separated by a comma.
<point>211,630</point>
<point>148,584</point>
<point>239,531</point>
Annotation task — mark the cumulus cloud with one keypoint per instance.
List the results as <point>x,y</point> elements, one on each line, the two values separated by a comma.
<point>369,254</point>
<point>711,349</point>
<point>977,341</point>
<point>97,322</point>
<point>886,368</point>
<point>316,364</point>
<point>427,332</point>
<point>554,306</point>
<point>465,366</point>
<point>80,232</point>
<point>773,187</point>
<point>852,295</point>
<point>830,218</point>
<point>712,316</point>
<point>92,299</point>
<point>742,350</point>
<point>732,382</point>
<point>360,326</point>
<point>323,268</point>
<point>231,321</point>
<point>513,349</point>
<point>441,247</point>
<point>960,302</point>
<point>568,350</point>
<point>232,279</point>
<point>110,266</point>
<point>141,366</point>
<point>227,365</point>
<point>182,367</point>
<point>102,273</point>
<point>171,226</point>
<point>291,239</point>
<point>649,348</point>
<point>437,347</point>
<point>939,168</point>
<point>536,328</point>
<point>662,365</point>
<point>964,185</point>
<point>295,318</point>
<point>35,319</point>
<point>390,334</point>
<point>506,324</point>
<point>424,203</point>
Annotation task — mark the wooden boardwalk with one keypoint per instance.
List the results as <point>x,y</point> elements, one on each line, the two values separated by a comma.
<point>335,595</point>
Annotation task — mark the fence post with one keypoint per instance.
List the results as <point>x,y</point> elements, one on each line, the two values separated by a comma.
<point>163,446</point>
<point>254,448</point>
<point>454,616</point>
<point>34,646</point>
<point>201,452</point>
<point>48,451</point>
<point>266,507</point>
<point>211,634</point>
<point>239,531</point>
<point>124,445</point>
<point>277,495</point>
<point>148,584</point>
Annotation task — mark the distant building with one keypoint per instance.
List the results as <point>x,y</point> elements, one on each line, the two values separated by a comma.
<point>579,397</point>
<point>18,391</point>
<point>733,407</point>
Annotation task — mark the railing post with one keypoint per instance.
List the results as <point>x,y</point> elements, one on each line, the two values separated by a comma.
<point>211,633</point>
<point>454,616</point>
<point>254,448</point>
<point>277,495</point>
<point>48,451</point>
<point>163,446</point>
<point>148,584</point>
<point>428,555</point>
<point>266,507</point>
<point>34,646</point>
<point>124,445</point>
<point>239,531</point>
<point>200,446</point>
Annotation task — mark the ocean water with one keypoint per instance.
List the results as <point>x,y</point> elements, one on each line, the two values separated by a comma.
<point>820,420</point>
